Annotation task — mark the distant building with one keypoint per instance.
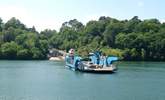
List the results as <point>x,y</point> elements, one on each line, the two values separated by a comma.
<point>56,53</point>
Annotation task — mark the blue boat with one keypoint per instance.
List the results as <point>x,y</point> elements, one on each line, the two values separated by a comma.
<point>96,63</point>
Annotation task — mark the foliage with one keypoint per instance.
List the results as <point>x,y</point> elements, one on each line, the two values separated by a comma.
<point>113,52</point>
<point>9,50</point>
<point>132,39</point>
<point>24,54</point>
<point>19,42</point>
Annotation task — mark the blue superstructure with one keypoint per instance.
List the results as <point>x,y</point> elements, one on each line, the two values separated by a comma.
<point>102,60</point>
<point>72,62</point>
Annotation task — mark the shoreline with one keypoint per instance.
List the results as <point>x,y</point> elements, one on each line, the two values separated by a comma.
<point>59,58</point>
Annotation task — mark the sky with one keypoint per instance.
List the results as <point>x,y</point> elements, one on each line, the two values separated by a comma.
<point>50,14</point>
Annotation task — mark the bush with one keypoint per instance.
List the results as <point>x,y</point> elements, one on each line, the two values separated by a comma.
<point>24,54</point>
<point>9,50</point>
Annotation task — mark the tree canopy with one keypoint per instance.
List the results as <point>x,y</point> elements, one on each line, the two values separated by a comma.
<point>132,39</point>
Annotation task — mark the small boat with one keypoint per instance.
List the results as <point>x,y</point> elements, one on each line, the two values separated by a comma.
<point>95,63</point>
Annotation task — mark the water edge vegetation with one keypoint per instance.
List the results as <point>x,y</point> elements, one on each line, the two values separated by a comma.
<point>132,39</point>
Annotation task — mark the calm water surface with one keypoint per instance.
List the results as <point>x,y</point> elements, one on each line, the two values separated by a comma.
<point>49,80</point>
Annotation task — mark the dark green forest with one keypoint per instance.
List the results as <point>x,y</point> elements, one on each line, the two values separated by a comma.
<point>134,39</point>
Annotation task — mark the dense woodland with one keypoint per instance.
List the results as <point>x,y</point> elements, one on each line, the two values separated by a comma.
<point>132,39</point>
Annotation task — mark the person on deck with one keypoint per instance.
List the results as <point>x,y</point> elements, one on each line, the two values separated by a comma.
<point>71,56</point>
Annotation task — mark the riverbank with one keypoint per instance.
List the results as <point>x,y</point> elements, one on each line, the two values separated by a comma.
<point>59,58</point>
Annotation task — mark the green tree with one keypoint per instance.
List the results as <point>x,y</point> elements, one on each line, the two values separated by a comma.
<point>15,23</point>
<point>36,53</point>
<point>9,35</point>
<point>151,25</point>
<point>131,25</point>
<point>9,50</point>
<point>24,54</point>
<point>73,24</point>
<point>1,24</point>
<point>43,46</point>
<point>47,33</point>
<point>94,28</point>
<point>110,33</point>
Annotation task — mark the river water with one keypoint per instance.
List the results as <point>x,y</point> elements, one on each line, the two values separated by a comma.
<point>50,80</point>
